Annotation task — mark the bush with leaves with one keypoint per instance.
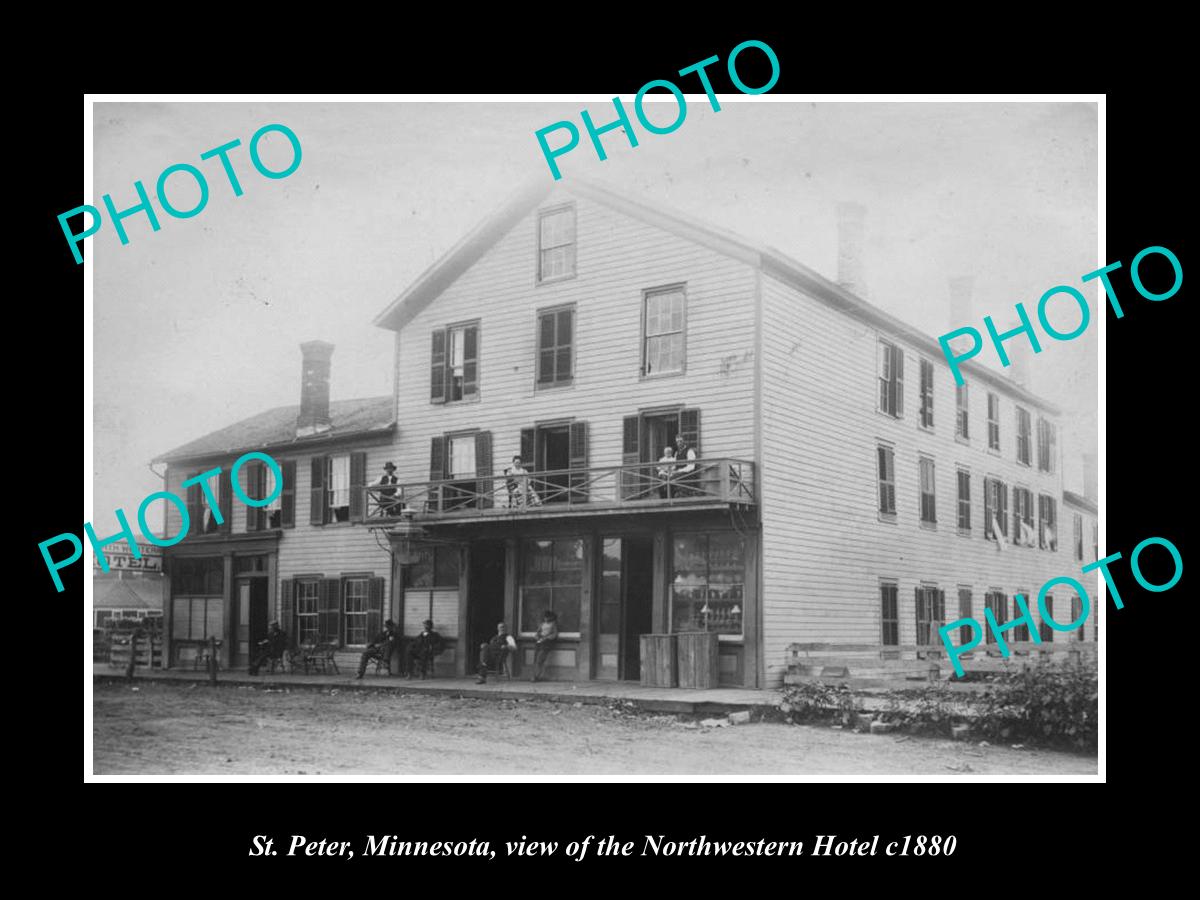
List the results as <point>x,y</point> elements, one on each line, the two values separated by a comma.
<point>1054,705</point>
<point>818,701</point>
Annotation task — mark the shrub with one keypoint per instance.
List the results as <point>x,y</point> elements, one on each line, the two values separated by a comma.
<point>1048,704</point>
<point>817,701</point>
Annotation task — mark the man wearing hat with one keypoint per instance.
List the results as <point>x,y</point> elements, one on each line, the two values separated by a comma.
<point>388,502</point>
<point>270,648</point>
<point>380,648</point>
<point>424,649</point>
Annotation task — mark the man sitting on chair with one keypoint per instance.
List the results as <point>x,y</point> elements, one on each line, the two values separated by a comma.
<point>493,654</point>
<point>269,648</point>
<point>424,649</point>
<point>380,648</point>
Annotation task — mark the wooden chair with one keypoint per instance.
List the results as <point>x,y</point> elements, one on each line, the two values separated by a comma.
<point>321,659</point>
<point>504,667</point>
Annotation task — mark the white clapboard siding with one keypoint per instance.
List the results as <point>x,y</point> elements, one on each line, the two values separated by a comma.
<point>330,551</point>
<point>825,548</point>
<point>618,257</point>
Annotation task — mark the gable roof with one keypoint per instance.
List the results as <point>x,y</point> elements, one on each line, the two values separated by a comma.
<point>276,429</point>
<point>439,276</point>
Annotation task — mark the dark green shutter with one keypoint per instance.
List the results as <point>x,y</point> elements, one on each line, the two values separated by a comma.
<point>225,501</point>
<point>358,481</point>
<point>546,345</point>
<point>578,452</point>
<point>483,468</point>
<point>528,452</point>
<point>437,367</point>
<point>256,476</point>
<point>630,456</point>
<point>470,361</point>
<point>898,381</point>
<point>689,427</point>
<point>287,501</point>
<point>317,506</point>
<point>285,611</point>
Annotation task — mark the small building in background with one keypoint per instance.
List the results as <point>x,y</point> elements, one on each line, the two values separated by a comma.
<point>131,589</point>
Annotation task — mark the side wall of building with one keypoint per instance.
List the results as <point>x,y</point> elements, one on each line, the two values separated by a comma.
<point>827,548</point>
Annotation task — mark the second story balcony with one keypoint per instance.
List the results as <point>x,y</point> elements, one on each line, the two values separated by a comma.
<point>711,483</point>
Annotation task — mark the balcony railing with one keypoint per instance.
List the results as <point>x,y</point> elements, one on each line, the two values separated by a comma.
<point>634,486</point>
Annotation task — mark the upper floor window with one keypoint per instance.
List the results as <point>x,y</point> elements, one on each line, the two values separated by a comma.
<point>891,379</point>
<point>338,484</point>
<point>460,456</point>
<point>1078,525</point>
<point>928,491</point>
<point>454,363</point>
<point>1022,517</point>
<point>995,508</point>
<point>962,424</point>
<point>663,350</point>
<point>556,335</point>
<point>556,243</point>
<point>1022,435</point>
<point>1047,522</point>
<point>887,480</point>
<point>926,394</point>
<point>1046,439</point>
<point>964,500</point>
<point>993,421</point>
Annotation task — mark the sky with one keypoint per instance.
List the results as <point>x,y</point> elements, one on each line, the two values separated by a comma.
<point>198,325</point>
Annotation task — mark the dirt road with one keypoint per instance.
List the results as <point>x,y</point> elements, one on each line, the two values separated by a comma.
<point>163,729</point>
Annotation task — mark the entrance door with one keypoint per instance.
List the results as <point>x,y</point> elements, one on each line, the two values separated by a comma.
<point>251,617</point>
<point>624,610</point>
<point>554,454</point>
<point>485,598</point>
<point>637,608</point>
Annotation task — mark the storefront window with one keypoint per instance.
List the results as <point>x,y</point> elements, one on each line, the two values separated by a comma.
<point>708,585</point>
<point>435,567</point>
<point>552,578</point>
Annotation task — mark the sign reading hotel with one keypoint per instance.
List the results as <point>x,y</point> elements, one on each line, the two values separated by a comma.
<point>121,557</point>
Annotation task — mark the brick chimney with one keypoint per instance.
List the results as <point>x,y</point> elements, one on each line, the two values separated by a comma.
<point>1091,488</point>
<point>314,389</point>
<point>1020,352</point>
<point>852,219</point>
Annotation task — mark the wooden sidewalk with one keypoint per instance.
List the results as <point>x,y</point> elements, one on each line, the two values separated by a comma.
<point>652,699</point>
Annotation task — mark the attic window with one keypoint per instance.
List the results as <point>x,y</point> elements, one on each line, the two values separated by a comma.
<point>556,243</point>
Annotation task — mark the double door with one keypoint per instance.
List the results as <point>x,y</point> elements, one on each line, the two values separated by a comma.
<point>250,618</point>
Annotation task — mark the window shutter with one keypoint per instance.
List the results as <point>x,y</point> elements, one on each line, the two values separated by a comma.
<point>578,452</point>
<point>317,507</point>
<point>939,613</point>
<point>564,338</point>
<point>918,605</point>
<point>1003,490</point>
<point>437,459</point>
<point>987,508</point>
<point>470,360</point>
<point>374,607</point>
<point>483,467</point>
<point>194,509</point>
<point>285,611</point>
<point>630,480</point>
<point>689,427</point>
<point>546,343</point>
<point>225,501</point>
<point>329,611</point>
<point>287,500</point>
<point>528,453</point>
<point>437,367</point>
<point>358,481</point>
<point>256,477</point>
<point>899,381</point>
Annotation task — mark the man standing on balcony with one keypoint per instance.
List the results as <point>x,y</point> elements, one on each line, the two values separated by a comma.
<point>685,468</point>
<point>387,490</point>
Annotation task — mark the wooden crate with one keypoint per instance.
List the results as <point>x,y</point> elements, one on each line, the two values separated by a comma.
<point>697,659</point>
<point>658,660</point>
